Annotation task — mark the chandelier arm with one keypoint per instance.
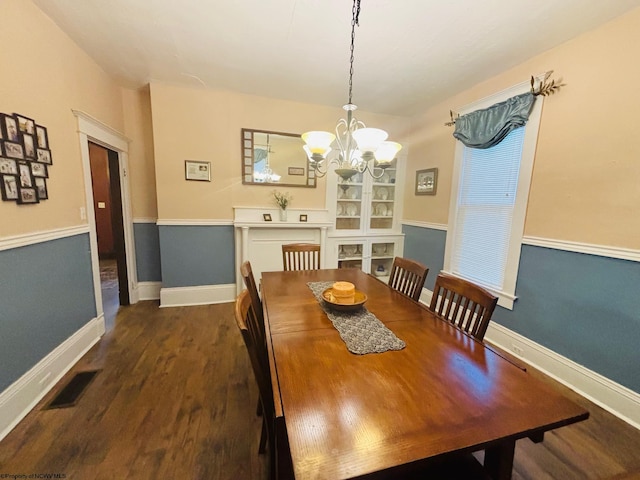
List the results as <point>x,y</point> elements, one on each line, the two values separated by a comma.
<point>372,169</point>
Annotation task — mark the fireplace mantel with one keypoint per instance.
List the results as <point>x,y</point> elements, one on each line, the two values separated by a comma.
<point>261,241</point>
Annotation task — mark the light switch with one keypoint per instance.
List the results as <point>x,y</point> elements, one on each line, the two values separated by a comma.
<point>102,205</point>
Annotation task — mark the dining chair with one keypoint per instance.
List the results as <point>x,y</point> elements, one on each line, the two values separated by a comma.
<point>463,303</point>
<point>250,282</point>
<point>301,256</point>
<point>407,277</point>
<point>249,327</point>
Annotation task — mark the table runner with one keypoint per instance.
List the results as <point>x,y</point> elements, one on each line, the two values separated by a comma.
<point>361,331</point>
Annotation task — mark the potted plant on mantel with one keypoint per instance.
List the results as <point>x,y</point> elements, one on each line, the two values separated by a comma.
<point>282,200</point>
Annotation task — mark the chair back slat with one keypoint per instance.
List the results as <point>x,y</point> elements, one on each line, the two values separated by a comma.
<point>301,256</point>
<point>464,304</point>
<point>407,277</point>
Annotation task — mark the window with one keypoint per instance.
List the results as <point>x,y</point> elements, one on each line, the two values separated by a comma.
<point>488,205</point>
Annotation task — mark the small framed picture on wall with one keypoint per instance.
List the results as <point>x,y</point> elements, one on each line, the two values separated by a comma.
<point>426,181</point>
<point>200,171</point>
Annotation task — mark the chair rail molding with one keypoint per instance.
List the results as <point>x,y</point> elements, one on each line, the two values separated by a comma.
<point>7,243</point>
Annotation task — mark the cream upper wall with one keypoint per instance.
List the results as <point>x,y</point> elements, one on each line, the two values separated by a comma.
<point>45,75</point>
<point>138,129</point>
<point>204,125</point>
<point>586,178</point>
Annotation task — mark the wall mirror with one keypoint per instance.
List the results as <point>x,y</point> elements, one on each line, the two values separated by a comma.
<point>275,158</point>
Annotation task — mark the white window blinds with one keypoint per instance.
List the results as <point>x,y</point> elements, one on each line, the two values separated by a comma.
<point>486,201</point>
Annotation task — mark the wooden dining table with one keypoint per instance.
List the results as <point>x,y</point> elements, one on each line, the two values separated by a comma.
<point>445,393</point>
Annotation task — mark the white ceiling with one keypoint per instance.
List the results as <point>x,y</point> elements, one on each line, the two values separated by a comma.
<point>409,54</point>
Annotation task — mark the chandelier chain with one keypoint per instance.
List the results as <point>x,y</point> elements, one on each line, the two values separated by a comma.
<point>354,21</point>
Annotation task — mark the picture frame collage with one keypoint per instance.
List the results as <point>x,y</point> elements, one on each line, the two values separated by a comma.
<point>25,158</point>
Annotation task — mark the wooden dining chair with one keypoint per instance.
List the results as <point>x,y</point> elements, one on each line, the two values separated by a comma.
<point>407,277</point>
<point>252,335</point>
<point>463,303</point>
<point>301,256</point>
<point>252,287</point>
<point>250,282</point>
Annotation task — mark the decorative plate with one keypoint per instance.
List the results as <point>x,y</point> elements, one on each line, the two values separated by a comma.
<point>350,250</point>
<point>352,210</point>
<point>381,210</point>
<point>382,193</point>
<point>358,301</point>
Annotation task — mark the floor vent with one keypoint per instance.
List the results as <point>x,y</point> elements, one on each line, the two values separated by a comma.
<point>69,395</point>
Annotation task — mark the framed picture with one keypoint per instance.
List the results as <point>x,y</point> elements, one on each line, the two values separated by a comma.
<point>28,195</point>
<point>8,166</point>
<point>303,217</point>
<point>26,180</point>
<point>296,171</point>
<point>13,150</point>
<point>39,170</point>
<point>29,148</point>
<point>41,187</point>
<point>266,217</point>
<point>44,155</point>
<point>41,135</point>
<point>200,171</point>
<point>9,187</point>
<point>25,124</point>
<point>426,181</point>
<point>10,128</point>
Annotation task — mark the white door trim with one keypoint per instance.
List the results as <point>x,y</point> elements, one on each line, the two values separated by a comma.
<point>91,129</point>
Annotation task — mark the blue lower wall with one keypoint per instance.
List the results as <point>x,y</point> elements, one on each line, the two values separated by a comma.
<point>46,295</point>
<point>583,307</point>
<point>197,255</point>
<point>147,241</point>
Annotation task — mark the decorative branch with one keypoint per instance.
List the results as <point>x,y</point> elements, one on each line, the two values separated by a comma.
<point>546,87</point>
<point>453,120</point>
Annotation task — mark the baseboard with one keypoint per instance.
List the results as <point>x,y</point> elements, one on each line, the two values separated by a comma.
<point>613,397</point>
<point>25,393</point>
<point>200,295</point>
<point>149,290</point>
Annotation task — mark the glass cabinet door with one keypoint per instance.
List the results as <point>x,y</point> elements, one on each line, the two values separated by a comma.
<point>349,209</point>
<point>350,254</point>
<point>383,197</point>
<point>382,254</point>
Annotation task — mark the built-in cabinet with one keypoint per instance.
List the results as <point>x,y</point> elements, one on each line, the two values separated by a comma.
<point>367,230</point>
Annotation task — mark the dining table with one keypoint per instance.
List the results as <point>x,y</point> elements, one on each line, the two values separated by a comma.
<point>436,393</point>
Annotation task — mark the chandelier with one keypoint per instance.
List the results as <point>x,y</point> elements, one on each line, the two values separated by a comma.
<point>360,148</point>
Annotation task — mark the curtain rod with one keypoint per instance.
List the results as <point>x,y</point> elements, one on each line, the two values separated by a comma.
<point>545,87</point>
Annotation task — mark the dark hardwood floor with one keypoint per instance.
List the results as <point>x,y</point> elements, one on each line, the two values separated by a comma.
<point>175,399</point>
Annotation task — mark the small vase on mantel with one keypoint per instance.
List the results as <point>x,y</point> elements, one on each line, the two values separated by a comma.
<point>283,214</point>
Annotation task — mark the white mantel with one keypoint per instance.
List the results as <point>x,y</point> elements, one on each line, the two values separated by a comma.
<point>261,241</point>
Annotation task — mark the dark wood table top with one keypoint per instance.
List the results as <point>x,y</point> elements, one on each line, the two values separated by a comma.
<point>348,415</point>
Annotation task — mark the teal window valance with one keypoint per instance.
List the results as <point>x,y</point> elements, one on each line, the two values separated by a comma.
<point>488,127</point>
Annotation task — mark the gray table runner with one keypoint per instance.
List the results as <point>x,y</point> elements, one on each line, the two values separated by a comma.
<point>361,330</point>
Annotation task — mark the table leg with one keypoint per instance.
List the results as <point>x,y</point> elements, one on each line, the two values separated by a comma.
<point>498,460</point>
<point>284,467</point>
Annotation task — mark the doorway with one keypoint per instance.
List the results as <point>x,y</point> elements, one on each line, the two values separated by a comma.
<point>109,222</point>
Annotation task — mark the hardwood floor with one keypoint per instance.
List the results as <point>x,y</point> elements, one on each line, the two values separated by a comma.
<point>176,400</point>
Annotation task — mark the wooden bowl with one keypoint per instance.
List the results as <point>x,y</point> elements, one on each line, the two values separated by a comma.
<point>330,299</point>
